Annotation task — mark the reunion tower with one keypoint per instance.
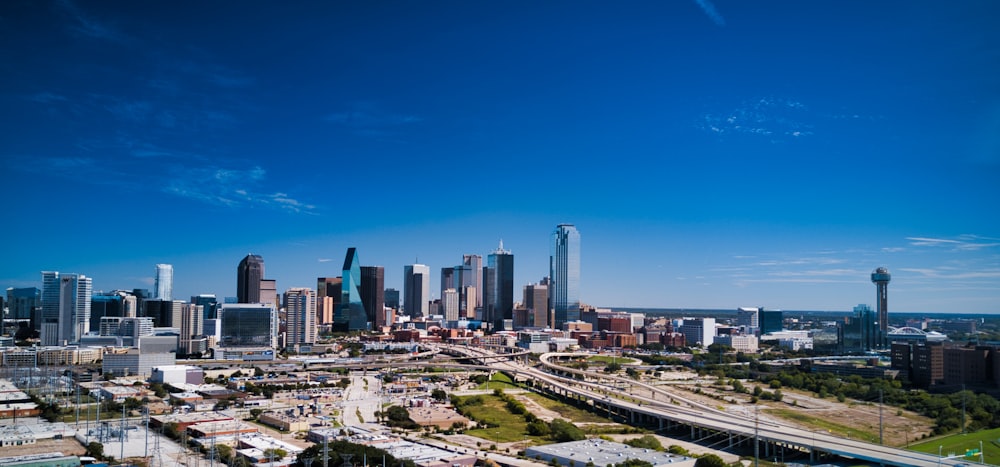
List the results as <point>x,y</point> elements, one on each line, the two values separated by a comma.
<point>881,277</point>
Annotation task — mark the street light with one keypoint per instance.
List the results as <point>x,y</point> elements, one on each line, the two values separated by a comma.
<point>939,455</point>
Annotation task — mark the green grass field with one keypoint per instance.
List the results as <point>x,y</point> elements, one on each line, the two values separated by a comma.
<point>499,381</point>
<point>566,411</point>
<point>959,443</point>
<point>605,359</point>
<point>494,411</point>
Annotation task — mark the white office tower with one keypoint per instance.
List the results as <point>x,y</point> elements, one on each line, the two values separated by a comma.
<point>416,290</point>
<point>748,319</point>
<point>65,307</point>
<point>164,282</point>
<point>300,318</point>
<point>449,304</point>
<point>698,331</point>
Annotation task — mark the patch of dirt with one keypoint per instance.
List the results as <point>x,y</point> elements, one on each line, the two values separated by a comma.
<point>534,407</point>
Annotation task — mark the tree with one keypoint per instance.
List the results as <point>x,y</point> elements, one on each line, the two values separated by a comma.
<point>710,460</point>
<point>439,394</point>
<point>95,450</point>
<point>612,367</point>
<point>278,453</point>
<point>645,442</point>
<point>563,431</point>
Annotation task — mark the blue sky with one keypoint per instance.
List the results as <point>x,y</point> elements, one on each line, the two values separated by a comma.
<point>712,154</point>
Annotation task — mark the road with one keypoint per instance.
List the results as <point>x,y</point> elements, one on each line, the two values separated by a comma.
<point>671,406</point>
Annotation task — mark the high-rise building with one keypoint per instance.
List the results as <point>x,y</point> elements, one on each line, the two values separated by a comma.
<point>248,276</point>
<point>65,307</point>
<point>248,325</point>
<point>163,287</point>
<point>269,292</point>
<point>699,331</point>
<point>536,301</point>
<point>449,304</point>
<point>191,327</point>
<point>373,294</point>
<point>748,319</point>
<point>110,304</point>
<point>328,292</point>
<point>209,303</point>
<point>351,315</point>
<point>392,298</point>
<point>165,313</point>
<point>770,320</point>
<point>499,296</point>
<point>564,274</point>
<point>25,304</point>
<point>300,312</point>
<point>881,277</point>
<point>416,290</point>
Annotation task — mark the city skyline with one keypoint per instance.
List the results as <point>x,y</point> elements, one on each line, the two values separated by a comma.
<point>714,154</point>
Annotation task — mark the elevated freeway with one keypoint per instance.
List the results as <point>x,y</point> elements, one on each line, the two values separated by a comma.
<point>667,410</point>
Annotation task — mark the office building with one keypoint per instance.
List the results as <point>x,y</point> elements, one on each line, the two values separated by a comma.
<point>698,331</point>
<point>564,274</point>
<point>249,273</point>
<point>248,325</point>
<point>165,313</point>
<point>770,320</point>
<point>467,280</point>
<point>328,292</point>
<point>373,294</point>
<point>163,284</point>
<point>351,315</point>
<point>269,292</point>
<point>24,304</point>
<point>191,328</point>
<point>209,304</point>
<point>499,296</point>
<point>65,307</point>
<point>449,304</point>
<point>536,302</point>
<point>416,290</point>
<point>110,304</point>
<point>392,298</point>
<point>300,319</point>
<point>748,319</point>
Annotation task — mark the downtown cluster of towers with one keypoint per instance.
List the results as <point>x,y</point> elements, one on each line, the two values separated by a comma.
<point>472,291</point>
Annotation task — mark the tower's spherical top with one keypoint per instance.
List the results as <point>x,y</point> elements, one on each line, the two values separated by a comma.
<point>881,274</point>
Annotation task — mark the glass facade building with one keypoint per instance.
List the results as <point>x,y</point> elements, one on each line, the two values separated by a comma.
<point>163,286</point>
<point>248,276</point>
<point>416,289</point>
<point>499,296</point>
<point>24,304</point>
<point>373,294</point>
<point>351,316</point>
<point>564,274</point>
<point>65,307</point>
<point>248,325</point>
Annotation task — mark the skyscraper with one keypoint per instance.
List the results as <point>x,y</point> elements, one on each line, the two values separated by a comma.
<point>351,315</point>
<point>164,283</point>
<point>209,303</point>
<point>881,277</point>
<point>373,294</point>
<point>248,325</point>
<point>328,292</point>
<point>499,296</point>
<point>248,276</point>
<point>65,307</point>
<point>300,312</point>
<point>416,289</point>
<point>24,304</point>
<point>536,300</point>
<point>564,273</point>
